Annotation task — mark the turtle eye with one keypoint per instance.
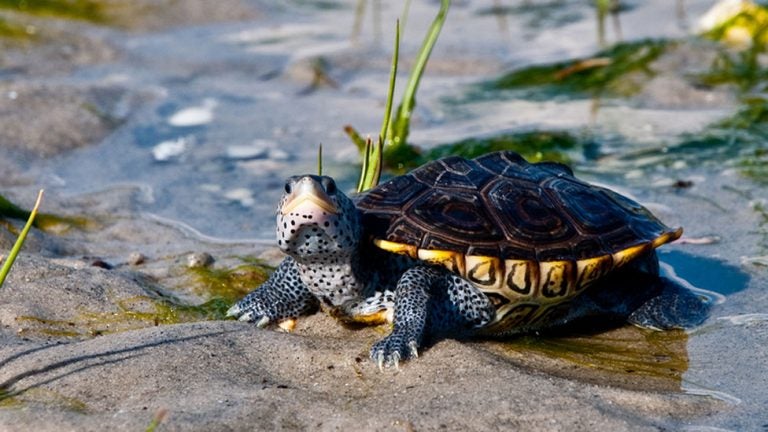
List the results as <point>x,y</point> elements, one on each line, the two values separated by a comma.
<point>330,186</point>
<point>287,188</point>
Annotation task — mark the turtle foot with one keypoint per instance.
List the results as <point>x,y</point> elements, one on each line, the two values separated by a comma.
<point>674,307</point>
<point>389,351</point>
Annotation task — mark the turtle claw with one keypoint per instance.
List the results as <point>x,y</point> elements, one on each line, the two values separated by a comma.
<point>262,322</point>
<point>389,351</point>
<point>414,347</point>
<point>233,311</point>
<point>378,358</point>
<point>395,360</point>
<point>248,316</point>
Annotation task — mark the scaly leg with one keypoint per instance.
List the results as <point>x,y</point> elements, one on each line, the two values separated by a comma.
<point>430,300</point>
<point>411,304</point>
<point>282,297</point>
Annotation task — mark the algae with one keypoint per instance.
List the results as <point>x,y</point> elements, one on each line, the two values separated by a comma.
<point>220,287</point>
<point>19,399</point>
<point>45,221</point>
<point>230,284</point>
<point>627,356</point>
<point>15,31</point>
<point>619,71</point>
<point>133,313</point>
<point>535,146</point>
<point>85,10</point>
<point>737,142</point>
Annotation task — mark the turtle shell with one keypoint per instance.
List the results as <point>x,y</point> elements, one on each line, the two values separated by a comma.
<point>517,230</point>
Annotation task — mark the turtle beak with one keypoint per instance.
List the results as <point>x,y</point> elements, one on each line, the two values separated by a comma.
<point>308,192</point>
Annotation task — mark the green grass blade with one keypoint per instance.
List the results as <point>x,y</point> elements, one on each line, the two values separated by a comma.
<point>20,241</point>
<point>373,153</point>
<point>364,170</point>
<point>320,160</point>
<point>386,126</point>
<point>402,121</point>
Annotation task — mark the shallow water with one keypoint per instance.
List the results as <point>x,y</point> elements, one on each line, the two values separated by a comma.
<point>227,111</point>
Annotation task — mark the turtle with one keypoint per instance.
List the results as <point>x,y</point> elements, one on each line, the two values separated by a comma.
<point>487,247</point>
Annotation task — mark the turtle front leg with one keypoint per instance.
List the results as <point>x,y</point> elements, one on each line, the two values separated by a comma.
<point>282,298</point>
<point>412,297</point>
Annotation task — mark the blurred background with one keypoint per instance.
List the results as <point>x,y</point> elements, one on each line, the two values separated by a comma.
<point>207,108</point>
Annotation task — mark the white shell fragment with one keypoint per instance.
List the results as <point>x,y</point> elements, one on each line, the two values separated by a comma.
<point>170,149</point>
<point>194,116</point>
<point>258,149</point>
<point>241,195</point>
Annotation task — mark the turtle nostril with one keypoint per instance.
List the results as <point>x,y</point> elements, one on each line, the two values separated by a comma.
<point>288,188</point>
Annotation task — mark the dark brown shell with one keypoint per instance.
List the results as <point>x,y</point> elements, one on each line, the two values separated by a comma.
<point>500,205</point>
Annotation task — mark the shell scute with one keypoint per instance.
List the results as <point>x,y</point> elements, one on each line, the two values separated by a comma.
<point>500,205</point>
<point>525,213</point>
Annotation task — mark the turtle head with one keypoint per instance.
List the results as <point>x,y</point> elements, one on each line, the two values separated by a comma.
<point>316,221</point>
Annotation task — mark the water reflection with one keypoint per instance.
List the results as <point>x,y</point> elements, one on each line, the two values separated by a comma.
<point>706,273</point>
<point>627,357</point>
<point>631,357</point>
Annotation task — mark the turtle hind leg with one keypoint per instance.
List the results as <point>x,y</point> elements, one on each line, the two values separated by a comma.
<point>374,310</point>
<point>673,307</point>
<point>461,309</point>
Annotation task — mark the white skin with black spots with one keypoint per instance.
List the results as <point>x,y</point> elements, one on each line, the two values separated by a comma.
<point>329,263</point>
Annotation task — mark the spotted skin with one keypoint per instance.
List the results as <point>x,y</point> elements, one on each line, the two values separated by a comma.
<point>356,261</point>
<point>431,300</point>
<point>283,296</point>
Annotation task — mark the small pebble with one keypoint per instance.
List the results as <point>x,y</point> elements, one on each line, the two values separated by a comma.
<point>101,264</point>
<point>241,195</point>
<point>170,149</point>
<point>280,155</point>
<point>199,260</point>
<point>699,240</point>
<point>240,152</point>
<point>679,165</point>
<point>683,184</point>
<point>194,116</point>
<point>136,258</point>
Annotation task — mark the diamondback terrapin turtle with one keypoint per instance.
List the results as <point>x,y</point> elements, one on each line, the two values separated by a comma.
<point>493,246</point>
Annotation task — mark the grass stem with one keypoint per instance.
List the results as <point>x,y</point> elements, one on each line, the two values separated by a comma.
<point>20,241</point>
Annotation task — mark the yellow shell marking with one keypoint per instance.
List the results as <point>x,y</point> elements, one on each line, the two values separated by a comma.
<point>522,278</point>
<point>511,315</point>
<point>394,247</point>
<point>624,256</point>
<point>543,284</point>
<point>485,272</point>
<point>591,269</point>
<point>453,261</point>
<point>668,237</point>
<point>557,279</point>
